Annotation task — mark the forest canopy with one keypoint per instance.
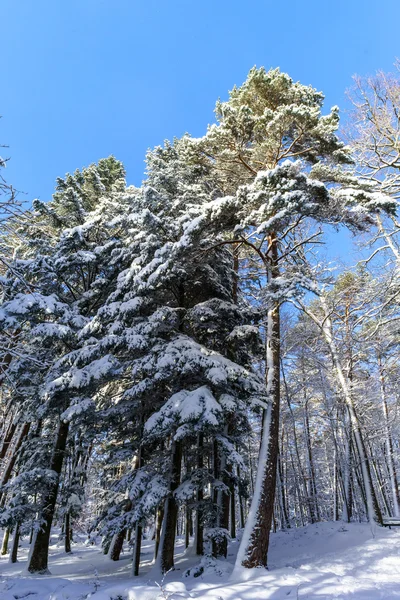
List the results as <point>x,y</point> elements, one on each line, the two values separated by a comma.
<point>179,358</point>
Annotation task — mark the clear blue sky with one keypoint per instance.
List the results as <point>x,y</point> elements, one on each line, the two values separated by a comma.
<point>82,79</point>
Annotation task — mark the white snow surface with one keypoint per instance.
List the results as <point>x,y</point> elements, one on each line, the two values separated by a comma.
<point>318,562</point>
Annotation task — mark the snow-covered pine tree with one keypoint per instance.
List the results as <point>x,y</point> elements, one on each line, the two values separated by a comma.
<point>50,293</point>
<point>175,330</point>
<point>274,153</point>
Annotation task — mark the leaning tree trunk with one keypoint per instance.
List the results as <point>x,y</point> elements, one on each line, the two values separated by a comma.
<point>373,510</point>
<point>254,545</point>
<point>165,557</point>
<point>13,458</point>
<point>38,556</point>
<point>118,540</point>
<point>389,445</point>
<point>7,439</point>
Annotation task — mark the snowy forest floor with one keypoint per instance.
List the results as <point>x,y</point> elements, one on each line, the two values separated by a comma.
<point>319,562</point>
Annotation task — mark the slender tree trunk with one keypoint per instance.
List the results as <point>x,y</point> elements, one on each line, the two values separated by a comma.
<point>67,532</point>
<point>118,540</point>
<point>307,498</point>
<point>106,545</point>
<point>232,511</point>
<point>199,527</point>
<point>6,537</point>
<point>7,439</point>
<point>379,478</point>
<point>159,520</point>
<point>312,492</point>
<point>254,545</point>
<point>137,549</point>
<point>38,557</point>
<point>12,460</point>
<point>373,510</point>
<point>15,544</point>
<point>167,542</point>
<point>389,445</point>
<point>297,491</point>
<point>282,504</point>
<point>137,546</point>
<point>241,503</point>
<point>347,511</point>
<point>335,486</point>
<point>220,544</point>
<point>188,518</point>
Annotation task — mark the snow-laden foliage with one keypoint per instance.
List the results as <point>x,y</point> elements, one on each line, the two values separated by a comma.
<point>177,358</point>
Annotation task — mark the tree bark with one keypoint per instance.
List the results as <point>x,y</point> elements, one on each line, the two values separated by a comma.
<point>389,444</point>
<point>188,518</point>
<point>136,549</point>
<point>12,460</point>
<point>373,510</point>
<point>199,526</point>
<point>38,558</point>
<point>167,543</point>
<point>118,540</point>
<point>7,439</point>
<point>312,491</point>
<point>6,537</point>
<point>15,543</point>
<point>254,546</point>
<point>232,511</point>
<point>159,520</point>
<point>67,532</point>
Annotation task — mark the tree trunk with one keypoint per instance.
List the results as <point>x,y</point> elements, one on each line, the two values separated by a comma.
<point>136,550</point>
<point>159,520</point>
<point>312,492</point>
<point>67,532</point>
<point>307,498</point>
<point>241,503</point>
<point>106,543</point>
<point>38,557</point>
<point>167,542</point>
<point>199,527</point>
<point>6,537</point>
<point>285,519</point>
<point>220,544</point>
<point>11,463</point>
<point>389,445</point>
<point>373,510</point>
<point>7,439</point>
<point>118,540</point>
<point>254,545</point>
<point>15,543</point>
<point>188,518</point>
<point>347,511</point>
<point>232,511</point>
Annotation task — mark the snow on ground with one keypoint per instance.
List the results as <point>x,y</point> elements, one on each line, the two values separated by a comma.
<point>319,562</point>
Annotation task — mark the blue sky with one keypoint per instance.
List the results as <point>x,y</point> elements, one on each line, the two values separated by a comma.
<point>82,79</point>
